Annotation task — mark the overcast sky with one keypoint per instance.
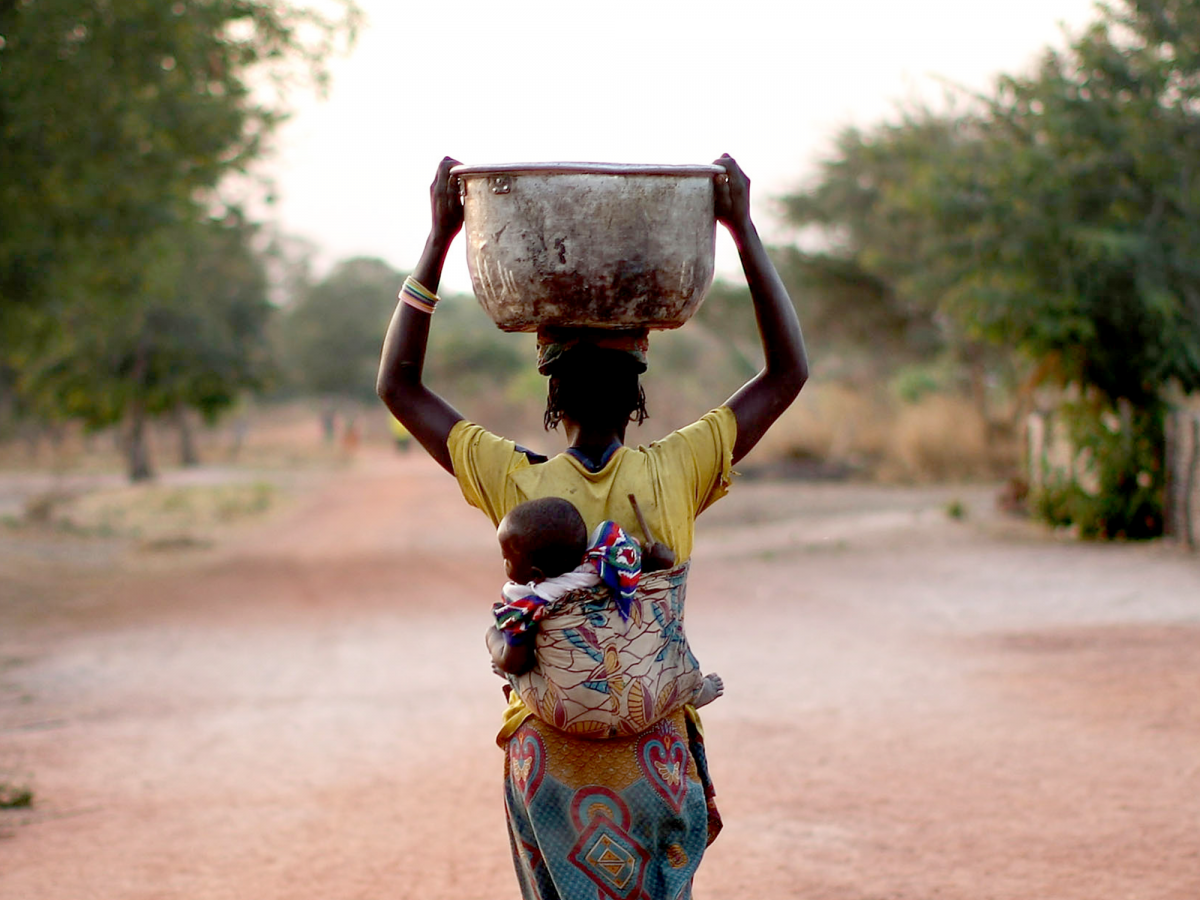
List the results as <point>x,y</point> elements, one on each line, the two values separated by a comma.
<point>771,83</point>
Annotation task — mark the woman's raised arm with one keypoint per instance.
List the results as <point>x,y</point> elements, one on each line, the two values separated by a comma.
<point>427,416</point>
<point>761,400</point>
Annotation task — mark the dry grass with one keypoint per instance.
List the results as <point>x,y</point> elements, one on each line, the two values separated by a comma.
<point>286,435</point>
<point>941,438</point>
<point>155,516</point>
<point>832,428</point>
<point>161,510</point>
<point>871,435</point>
<point>75,485</point>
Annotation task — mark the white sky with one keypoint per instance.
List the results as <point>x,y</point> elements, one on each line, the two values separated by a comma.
<point>654,81</point>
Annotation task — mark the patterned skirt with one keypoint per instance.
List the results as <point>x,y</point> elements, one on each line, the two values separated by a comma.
<point>617,819</point>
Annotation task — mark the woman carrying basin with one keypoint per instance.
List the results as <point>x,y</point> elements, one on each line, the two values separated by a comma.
<point>625,817</point>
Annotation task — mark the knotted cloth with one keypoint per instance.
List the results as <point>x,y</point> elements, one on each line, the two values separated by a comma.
<point>617,559</point>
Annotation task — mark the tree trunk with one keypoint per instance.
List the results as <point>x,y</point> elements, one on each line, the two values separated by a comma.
<point>1172,482</point>
<point>8,405</point>
<point>136,446</point>
<point>187,440</point>
<point>1189,483</point>
<point>137,451</point>
<point>31,433</point>
<point>977,374</point>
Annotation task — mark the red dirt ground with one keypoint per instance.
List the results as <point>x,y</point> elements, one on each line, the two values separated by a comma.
<point>915,707</point>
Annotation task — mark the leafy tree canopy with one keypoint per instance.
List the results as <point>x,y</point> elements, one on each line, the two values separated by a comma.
<point>332,334</point>
<point>122,118</point>
<point>1085,227</point>
<point>127,282</point>
<point>1058,217</point>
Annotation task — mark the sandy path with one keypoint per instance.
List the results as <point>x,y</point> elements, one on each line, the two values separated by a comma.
<point>916,708</point>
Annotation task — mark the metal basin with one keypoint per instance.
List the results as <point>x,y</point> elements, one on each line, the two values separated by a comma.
<point>589,244</point>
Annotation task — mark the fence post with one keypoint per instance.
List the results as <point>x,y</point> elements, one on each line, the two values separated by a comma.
<point>1172,519</point>
<point>1035,450</point>
<point>1189,492</point>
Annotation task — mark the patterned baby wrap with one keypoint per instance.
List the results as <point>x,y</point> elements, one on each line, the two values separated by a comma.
<point>600,674</point>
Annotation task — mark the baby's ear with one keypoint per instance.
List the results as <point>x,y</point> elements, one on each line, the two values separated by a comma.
<point>536,575</point>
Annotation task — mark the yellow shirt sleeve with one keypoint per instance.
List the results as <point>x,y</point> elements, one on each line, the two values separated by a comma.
<point>697,461</point>
<point>483,464</point>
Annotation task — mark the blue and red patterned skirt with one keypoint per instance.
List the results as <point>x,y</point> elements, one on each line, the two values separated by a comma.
<point>616,819</point>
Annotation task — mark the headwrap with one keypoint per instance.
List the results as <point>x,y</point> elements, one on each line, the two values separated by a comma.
<point>555,343</point>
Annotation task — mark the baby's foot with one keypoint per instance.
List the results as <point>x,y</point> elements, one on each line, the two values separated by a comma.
<point>712,688</point>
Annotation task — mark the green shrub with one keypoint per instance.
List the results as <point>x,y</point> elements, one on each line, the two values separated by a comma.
<point>15,796</point>
<point>1117,488</point>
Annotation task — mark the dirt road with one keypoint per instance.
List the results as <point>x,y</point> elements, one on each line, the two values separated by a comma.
<point>916,707</point>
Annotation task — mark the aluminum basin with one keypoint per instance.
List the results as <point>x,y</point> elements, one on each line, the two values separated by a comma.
<point>592,245</point>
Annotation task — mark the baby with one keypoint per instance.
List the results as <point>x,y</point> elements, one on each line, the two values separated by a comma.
<point>583,647</point>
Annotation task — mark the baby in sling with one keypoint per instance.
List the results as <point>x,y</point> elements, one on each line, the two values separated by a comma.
<point>589,631</point>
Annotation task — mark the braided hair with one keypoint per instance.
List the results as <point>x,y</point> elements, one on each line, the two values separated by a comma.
<point>598,385</point>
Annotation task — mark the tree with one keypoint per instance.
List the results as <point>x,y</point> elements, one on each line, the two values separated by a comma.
<point>211,336</point>
<point>1085,245</point>
<point>332,333</point>
<point>1085,242</point>
<point>870,286</point>
<point>883,203</point>
<point>195,339</point>
<point>121,122</point>
<point>1059,220</point>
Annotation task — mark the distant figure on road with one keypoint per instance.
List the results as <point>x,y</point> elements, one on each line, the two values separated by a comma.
<point>400,435</point>
<point>350,437</point>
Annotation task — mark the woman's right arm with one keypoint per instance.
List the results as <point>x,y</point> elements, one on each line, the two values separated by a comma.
<point>427,416</point>
<point>762,400</point>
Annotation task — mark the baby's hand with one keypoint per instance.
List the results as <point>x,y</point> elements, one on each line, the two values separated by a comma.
<point>656,557</point>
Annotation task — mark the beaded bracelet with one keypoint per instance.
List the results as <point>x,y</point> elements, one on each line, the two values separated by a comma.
<point>418,296</point>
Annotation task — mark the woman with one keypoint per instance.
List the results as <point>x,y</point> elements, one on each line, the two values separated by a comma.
<point>623,817</point>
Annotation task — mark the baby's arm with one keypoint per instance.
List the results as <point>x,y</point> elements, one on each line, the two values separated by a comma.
<point>514,659</point>
<point>657,556</point>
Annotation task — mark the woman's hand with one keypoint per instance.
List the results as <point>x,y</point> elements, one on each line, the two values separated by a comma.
<point>445,203</point>
<point>731,194</point>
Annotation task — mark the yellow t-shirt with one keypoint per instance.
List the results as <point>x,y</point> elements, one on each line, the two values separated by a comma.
<point>674,479</point>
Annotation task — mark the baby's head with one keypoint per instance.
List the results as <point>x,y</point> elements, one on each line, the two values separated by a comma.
<point>542,539</point>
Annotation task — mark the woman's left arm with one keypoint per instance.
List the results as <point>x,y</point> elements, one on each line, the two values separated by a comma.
<point>762,400</point>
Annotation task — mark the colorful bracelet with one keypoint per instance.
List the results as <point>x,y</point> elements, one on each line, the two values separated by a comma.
<point>418,296</point>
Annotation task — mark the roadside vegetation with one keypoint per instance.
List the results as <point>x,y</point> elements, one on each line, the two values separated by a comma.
<point>1033,247</point>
